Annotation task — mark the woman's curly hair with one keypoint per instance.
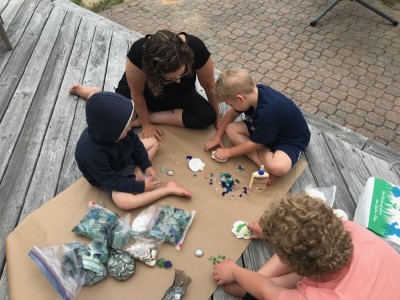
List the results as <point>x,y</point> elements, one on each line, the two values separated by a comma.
<point>164,52</point>
<point>307,235</point>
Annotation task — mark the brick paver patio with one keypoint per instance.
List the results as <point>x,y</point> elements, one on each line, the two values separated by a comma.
<point>346,69</point>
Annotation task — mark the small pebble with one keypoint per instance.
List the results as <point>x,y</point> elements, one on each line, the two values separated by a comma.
<point>167,264</point>
<point>170,172</point>
<point>199,252</point>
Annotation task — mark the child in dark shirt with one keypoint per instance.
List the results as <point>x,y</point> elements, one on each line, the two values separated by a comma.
<point>274,131</point>
<point>112,157</point>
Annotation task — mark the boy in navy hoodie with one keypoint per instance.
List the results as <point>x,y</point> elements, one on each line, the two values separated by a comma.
<point>112,157</point>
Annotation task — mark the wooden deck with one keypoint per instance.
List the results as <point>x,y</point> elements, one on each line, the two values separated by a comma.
<point>57,44</point>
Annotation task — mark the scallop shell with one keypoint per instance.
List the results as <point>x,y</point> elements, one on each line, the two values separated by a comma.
<point>240,230</point>
<point>195,164</point>
<point>218,160</point>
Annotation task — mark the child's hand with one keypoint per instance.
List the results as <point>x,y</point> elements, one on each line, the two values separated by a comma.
<point>150,171</point>
<point>222,154</point>
<point>151,183</point>
<point>256,231</point>
<point>216,141</point>
<point>223,272</point>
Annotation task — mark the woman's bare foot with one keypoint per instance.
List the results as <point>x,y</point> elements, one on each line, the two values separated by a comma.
<point>256,231</point>
<point>82,91</point>
<point>178,190</point>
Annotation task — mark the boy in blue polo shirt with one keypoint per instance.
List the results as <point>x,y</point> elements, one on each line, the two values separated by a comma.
<point>273,133</point>
<point>112,157</point>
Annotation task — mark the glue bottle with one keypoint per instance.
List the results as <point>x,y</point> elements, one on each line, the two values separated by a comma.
<point>258,180</point>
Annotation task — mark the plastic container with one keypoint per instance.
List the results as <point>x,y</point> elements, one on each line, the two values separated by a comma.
<point>258,180</point>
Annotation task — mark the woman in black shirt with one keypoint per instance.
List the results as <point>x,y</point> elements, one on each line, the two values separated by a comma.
<point>160,78</point>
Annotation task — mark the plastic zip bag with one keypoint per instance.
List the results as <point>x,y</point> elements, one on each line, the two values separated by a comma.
<point>167,223</point>
<point>146,219</point>
<point>172,225</point>
<point>122,233</point>
<point>66,278</point>
<point>98,222</point>
<point>145,250</point>
<point>326,194</point>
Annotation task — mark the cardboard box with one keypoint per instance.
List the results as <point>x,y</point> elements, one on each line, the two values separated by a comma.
<point>378,209</point>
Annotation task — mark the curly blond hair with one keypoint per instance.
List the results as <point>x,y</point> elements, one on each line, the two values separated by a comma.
<point>233,81</point>
<point>307,235</point>
<point>164,52</point>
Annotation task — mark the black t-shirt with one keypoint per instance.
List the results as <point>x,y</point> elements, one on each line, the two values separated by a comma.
<point>200,57</point>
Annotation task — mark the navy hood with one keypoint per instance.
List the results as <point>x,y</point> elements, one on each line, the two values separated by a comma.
<point>107,115</point>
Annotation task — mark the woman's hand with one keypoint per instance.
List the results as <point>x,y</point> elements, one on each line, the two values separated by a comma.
<point>216,141</point>
<point>223,272</point>
<point>150,130</point>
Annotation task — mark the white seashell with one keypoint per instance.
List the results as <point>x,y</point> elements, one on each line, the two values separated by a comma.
<point>151,263</point>
<point>218,160</point>
<point>240,230</point>
<point>195,164</point>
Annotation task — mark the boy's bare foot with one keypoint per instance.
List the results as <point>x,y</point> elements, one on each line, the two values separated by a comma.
<point>256,231</point>
<point>82,91</point>
<point>178,190</point>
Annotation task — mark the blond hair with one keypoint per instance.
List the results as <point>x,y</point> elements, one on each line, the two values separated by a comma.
<point>232,82</point>
<point>307,235</point>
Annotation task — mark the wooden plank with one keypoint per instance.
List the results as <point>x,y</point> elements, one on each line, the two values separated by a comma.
<point>18,108</point>
<point>382,151</point>
<point>4,285</point>
<point>9,10</point>
<point>18,61</point>
<point>16,18</point>
<point>7,16</point>
<point>94,76</point>
<point>396,167</point>
<point>304,180</point>
<point>29,144</point>
<point>343,133</point>
<point>350,163</point>
<point>3,4</point>
<point>14,183</point>
<point>45,179</point>
<point>98,19</point>
<point>116,62</point>
<point>325,170</point>
<point>380,168</point>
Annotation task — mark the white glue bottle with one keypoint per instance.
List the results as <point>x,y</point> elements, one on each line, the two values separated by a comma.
<point>258,180</point>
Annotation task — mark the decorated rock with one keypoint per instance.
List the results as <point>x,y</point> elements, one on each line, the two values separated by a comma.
<point>121,265</point>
